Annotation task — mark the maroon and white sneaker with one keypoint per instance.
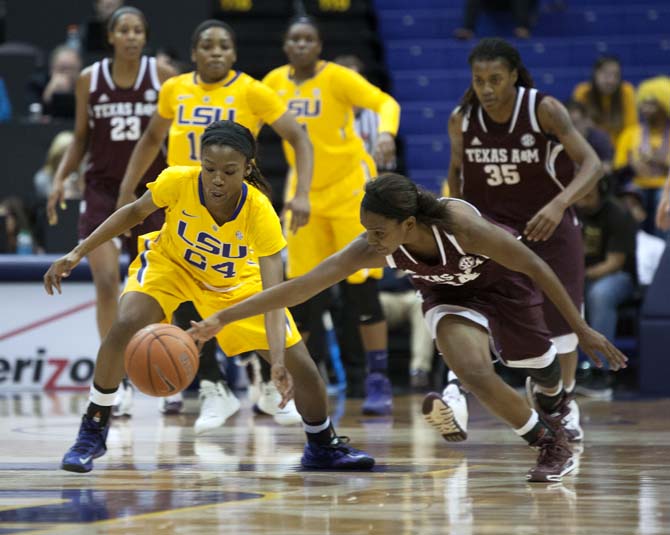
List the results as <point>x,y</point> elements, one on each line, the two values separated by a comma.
<point>447,413</point>
<point>555,458</point>
<point>567,413</point>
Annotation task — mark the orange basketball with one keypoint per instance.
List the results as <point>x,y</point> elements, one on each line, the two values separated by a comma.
<point>161,359</point>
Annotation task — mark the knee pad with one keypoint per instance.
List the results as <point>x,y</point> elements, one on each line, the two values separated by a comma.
<point>364,299</point>
<point>548,376</point>
<point>305,314</point>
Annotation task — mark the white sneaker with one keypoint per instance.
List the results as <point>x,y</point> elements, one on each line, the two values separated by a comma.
<point>217,404</point>
<point>571,423</point>
<point>171,404</point>
<point>123,402</point>
<point>447,413</point>
<point>255,381</point>
<point>268,403</point>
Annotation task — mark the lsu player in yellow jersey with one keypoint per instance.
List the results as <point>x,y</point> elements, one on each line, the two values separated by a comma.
<point>186,105</point>
<point>323,95</point>
<point>216,215</point>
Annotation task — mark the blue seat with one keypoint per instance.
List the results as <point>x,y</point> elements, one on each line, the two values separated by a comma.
<point>408,24</point>
<point>426,118</point>
<point>433,85</point>
<point>431,179</point>
<point>427,152</point>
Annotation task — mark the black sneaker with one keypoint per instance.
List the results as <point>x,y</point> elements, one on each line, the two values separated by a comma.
<point>337,455</point>
<point>596,384</point>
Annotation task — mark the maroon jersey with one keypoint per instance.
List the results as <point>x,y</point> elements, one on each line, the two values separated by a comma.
<point>117,117</point>
<point>512,170</point>
<point>509,301</point>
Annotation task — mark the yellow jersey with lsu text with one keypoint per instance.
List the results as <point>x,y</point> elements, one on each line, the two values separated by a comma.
<point>192,105</point>
<point>324,105</point>
<point>219,257</point>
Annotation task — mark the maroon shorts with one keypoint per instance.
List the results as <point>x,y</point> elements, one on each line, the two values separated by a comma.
<point>100,202</point>
<point>512,308</point>
<point>564,252</point>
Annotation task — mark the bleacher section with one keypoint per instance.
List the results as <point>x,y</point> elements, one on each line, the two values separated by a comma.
<point>430,71</point>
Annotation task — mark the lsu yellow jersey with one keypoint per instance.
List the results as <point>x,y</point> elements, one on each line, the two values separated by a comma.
<point>324,106</point>
<point>192,105</point>
<point>219,257</point>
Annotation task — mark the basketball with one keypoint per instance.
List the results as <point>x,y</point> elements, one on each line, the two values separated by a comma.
<point>161,359</point>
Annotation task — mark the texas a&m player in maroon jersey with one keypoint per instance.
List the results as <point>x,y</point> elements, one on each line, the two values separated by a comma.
<point>115,98</point>
<point>512,154</point>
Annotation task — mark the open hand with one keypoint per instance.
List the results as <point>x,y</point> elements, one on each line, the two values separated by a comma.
<point>204,330</point>
<point>60,269</point>
<point>284,382</point>
<point>543,224</point>
<point>384,151</point>
<point>596,345</point>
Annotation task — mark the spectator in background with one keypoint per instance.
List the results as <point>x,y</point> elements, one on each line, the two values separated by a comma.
<point>663,210</point>
<point>94,30</point>
<point>643,150</point>
<point>16,236</point>
<point>609,249</point>
<point>5,104</point>
<point>609,100</point>
<point>55,93</point>
<point>522,10</point>
<point>597,137</point>
<point>43,180</point>
<point>648,248</point>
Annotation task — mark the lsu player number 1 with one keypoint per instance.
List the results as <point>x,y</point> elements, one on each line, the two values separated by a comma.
<point>499,174</point>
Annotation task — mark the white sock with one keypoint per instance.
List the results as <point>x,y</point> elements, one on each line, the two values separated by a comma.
<point>316,428</point>
<point>97,397</point>
<point>529,424</point>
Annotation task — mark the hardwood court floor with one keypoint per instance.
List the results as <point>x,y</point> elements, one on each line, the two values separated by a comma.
<point>158,477</point>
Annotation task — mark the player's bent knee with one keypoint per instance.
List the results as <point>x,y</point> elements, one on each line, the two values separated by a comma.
<point>548,376</point>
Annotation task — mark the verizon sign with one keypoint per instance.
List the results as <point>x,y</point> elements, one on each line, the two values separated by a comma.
<point>47,342</point>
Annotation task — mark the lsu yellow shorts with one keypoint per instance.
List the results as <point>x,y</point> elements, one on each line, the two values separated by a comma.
<point>319,239</point>
<point>333,224</point>
<point>170,284</point>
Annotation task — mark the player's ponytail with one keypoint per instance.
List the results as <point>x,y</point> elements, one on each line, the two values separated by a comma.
<point>396,197</point>
<point>256,179</point>
<point>239,138</point>
<point>490,49</point>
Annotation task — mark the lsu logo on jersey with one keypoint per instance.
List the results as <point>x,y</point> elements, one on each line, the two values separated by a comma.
<point>204,242</point>
<point>203,115</point>
<point>305,107</point>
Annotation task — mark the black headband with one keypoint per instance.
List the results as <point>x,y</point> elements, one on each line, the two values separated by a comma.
<point>232,135</point>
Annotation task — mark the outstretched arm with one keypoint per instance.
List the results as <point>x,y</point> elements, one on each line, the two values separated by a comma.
<point>478,236</point>
<point>357,255</point>
<point>119,222</point>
